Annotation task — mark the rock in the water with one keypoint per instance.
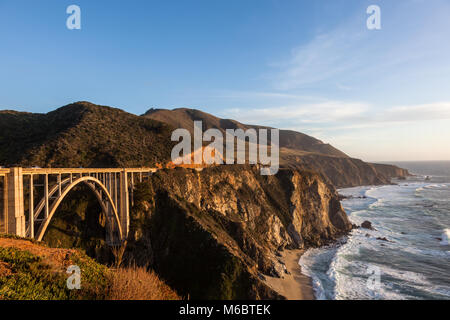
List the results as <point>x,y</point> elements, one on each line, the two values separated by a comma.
<point>367,225</point>
<point>382,239</point>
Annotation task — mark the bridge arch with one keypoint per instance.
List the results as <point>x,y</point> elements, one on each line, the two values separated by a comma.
<point>99,190</point>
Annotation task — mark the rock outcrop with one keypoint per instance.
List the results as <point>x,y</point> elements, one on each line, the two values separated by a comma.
<point>343,172</point>
<point>211,234</point>
<point>367,225</point>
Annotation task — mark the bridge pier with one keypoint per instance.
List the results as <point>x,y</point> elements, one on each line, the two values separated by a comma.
<point>124,205</point>
<point>16,223</point>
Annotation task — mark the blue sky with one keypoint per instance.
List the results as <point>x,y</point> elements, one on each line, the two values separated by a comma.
<point>311,66</point>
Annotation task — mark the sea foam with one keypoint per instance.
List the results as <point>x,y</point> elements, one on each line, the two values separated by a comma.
<point>445,237</point>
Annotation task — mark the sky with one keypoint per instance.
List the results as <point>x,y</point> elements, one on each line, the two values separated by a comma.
<point>310,66</point>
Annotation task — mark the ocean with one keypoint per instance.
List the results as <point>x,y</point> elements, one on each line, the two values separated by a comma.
<point>412,262</point>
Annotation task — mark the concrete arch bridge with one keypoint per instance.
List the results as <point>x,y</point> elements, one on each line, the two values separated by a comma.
<point>31,197</point>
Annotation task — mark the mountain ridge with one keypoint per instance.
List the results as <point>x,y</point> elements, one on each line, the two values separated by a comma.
<point>297,150</point>
<point>83,134</point>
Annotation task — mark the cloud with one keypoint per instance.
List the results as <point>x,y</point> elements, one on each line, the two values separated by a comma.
<point>258,95</point>
<point>410,42</point>
<point>324,57</point>
<point>322,112</point>
<point>332,115</point>
<point>421,112</point>
<point>372,93</point>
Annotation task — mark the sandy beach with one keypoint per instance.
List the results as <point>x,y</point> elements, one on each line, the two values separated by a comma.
<point>294,286</point>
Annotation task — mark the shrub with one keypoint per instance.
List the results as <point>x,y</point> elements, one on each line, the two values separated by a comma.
<point>136,283</point>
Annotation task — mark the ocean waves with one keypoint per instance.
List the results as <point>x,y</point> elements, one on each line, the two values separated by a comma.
<point>409,246</point>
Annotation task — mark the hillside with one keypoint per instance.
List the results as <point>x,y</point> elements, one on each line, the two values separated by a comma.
<point>82,135</point>
<point>297,150</point>
<point>184,118</point>
<point>33,271</point>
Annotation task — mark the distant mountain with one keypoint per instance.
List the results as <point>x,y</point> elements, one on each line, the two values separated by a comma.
<point>297,150</point>
<point>82,134</point>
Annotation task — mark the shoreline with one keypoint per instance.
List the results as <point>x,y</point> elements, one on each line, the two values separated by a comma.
<point>296,285</point>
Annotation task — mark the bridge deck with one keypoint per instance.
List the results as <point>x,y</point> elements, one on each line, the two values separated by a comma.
<point>28,171</point>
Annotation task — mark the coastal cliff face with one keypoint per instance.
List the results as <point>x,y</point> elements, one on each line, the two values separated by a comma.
<point>215,233</point>
<point>343,172</point>
<point>391,171</point>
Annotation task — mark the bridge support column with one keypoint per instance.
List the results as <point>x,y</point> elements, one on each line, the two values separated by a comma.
<point>4,217</point>
<point>124,204</point>
<point>16,215</point>
<point>31,207</point>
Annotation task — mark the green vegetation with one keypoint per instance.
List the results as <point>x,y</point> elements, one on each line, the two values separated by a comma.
<point>33,271</point>
<point>30,278</point>
<point>82,134</point>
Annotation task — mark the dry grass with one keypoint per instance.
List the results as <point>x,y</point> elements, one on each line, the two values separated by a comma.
<point>118,252</point>
<point>55,257</point>
<point>136,283</point>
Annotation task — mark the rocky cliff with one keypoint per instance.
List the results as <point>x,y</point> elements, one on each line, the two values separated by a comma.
<point>343,172</point>
<point>216,233</point>
<point>391,171</point>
